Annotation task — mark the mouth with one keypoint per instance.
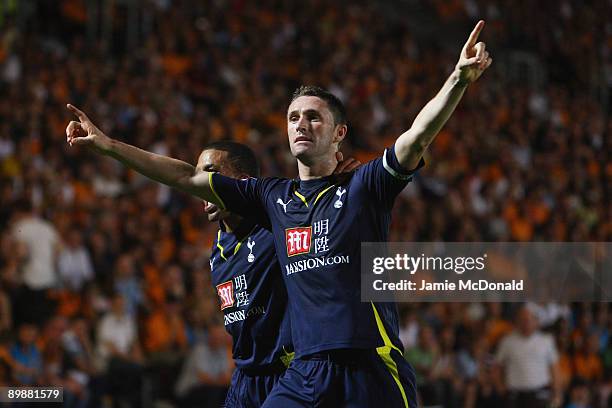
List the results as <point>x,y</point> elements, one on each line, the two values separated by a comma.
<point>302,139</point>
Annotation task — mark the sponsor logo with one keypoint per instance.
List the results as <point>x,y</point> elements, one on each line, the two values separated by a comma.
<point>226,294</point>
<point>279,201</point>
<point>240,315</point>
<point>298,240</point>
<point>313,263</point>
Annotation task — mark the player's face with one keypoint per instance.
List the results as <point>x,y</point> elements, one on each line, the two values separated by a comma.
<point>311,129</point>
<point>214,161</point>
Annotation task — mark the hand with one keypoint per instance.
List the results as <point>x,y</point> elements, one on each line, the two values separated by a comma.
<point>85,133</point>
<point>474,59</point>
<point>345,166</point>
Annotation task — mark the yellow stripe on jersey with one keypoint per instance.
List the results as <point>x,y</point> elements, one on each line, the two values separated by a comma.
<point>323,192</point>
<point>236,248</point>
<point>212,187</point>
<point>219,245</point>
<point>384,352</point>
<point>297,193</point>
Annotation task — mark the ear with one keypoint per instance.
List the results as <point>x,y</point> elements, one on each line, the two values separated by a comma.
<point>340,133</point>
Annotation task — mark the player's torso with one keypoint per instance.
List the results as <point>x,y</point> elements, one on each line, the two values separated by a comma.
<point>252,296</point>
<point>322,223</point>
<point>318,228</point>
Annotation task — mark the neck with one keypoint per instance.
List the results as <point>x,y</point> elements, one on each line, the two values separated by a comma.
<point>317,169</point>
<point>232,222</point>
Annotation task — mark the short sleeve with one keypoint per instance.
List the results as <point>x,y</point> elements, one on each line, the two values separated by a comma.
<point>385,177</point>
<point>244,197</point>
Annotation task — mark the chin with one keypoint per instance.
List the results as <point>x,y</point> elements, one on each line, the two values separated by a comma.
<point>303,154</point>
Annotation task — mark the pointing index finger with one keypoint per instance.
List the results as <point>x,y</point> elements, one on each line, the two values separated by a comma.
<point>80,114</point>
<point>474,34</point>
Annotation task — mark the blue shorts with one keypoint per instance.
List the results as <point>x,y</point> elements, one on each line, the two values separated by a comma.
<point>348,379</point>
<point>249,390</point>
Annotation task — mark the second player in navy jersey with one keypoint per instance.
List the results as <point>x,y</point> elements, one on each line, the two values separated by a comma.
<point>252,295</point>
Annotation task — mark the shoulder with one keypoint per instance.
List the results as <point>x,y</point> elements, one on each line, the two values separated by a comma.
<point>274,182</point>
<point>215,246</point>
<point>262,232</point>
<point>372,165</point>
<point>508,340</point>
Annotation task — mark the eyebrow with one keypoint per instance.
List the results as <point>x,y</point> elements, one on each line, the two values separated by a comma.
<point>308,111</point>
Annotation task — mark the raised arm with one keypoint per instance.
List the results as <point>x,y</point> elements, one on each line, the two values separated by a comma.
<point>172,172</point>
<point>474,59</point>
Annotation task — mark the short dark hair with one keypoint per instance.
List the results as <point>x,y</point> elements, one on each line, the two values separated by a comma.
<point>241,158</point>
<point>333,102</point>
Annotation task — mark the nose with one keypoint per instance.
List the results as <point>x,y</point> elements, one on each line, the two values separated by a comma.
<point>302,124</point>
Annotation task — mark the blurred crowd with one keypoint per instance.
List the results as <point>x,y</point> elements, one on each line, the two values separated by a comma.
<point>105,286</point>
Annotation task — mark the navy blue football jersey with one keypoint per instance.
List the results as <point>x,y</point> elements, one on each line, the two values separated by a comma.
<point>318,227</point>
<point>252,295</point>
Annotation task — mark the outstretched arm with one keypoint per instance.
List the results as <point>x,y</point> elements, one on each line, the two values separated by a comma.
<point>474,59</point>
<point>172,172</point>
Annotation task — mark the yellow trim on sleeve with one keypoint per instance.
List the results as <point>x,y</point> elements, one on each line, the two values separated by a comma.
<point>384,352</point>
<point>212,188</point>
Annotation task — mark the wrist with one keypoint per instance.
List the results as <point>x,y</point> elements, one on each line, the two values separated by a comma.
<point>459,79</point>
<point>107,146</point>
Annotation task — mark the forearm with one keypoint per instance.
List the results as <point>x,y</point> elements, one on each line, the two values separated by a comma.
<point>165,170</point>
<point>411,145</point>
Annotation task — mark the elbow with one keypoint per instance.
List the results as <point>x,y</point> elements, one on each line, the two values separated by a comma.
<point>188,178</point>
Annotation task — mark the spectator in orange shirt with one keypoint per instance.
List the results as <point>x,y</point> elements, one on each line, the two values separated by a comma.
<point>165,329</point>
<point>587,362</point>
<point>496,326</point>
<point>165,341</point>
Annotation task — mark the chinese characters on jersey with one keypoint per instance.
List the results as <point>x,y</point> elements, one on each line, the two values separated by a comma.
<point>234,292</point>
